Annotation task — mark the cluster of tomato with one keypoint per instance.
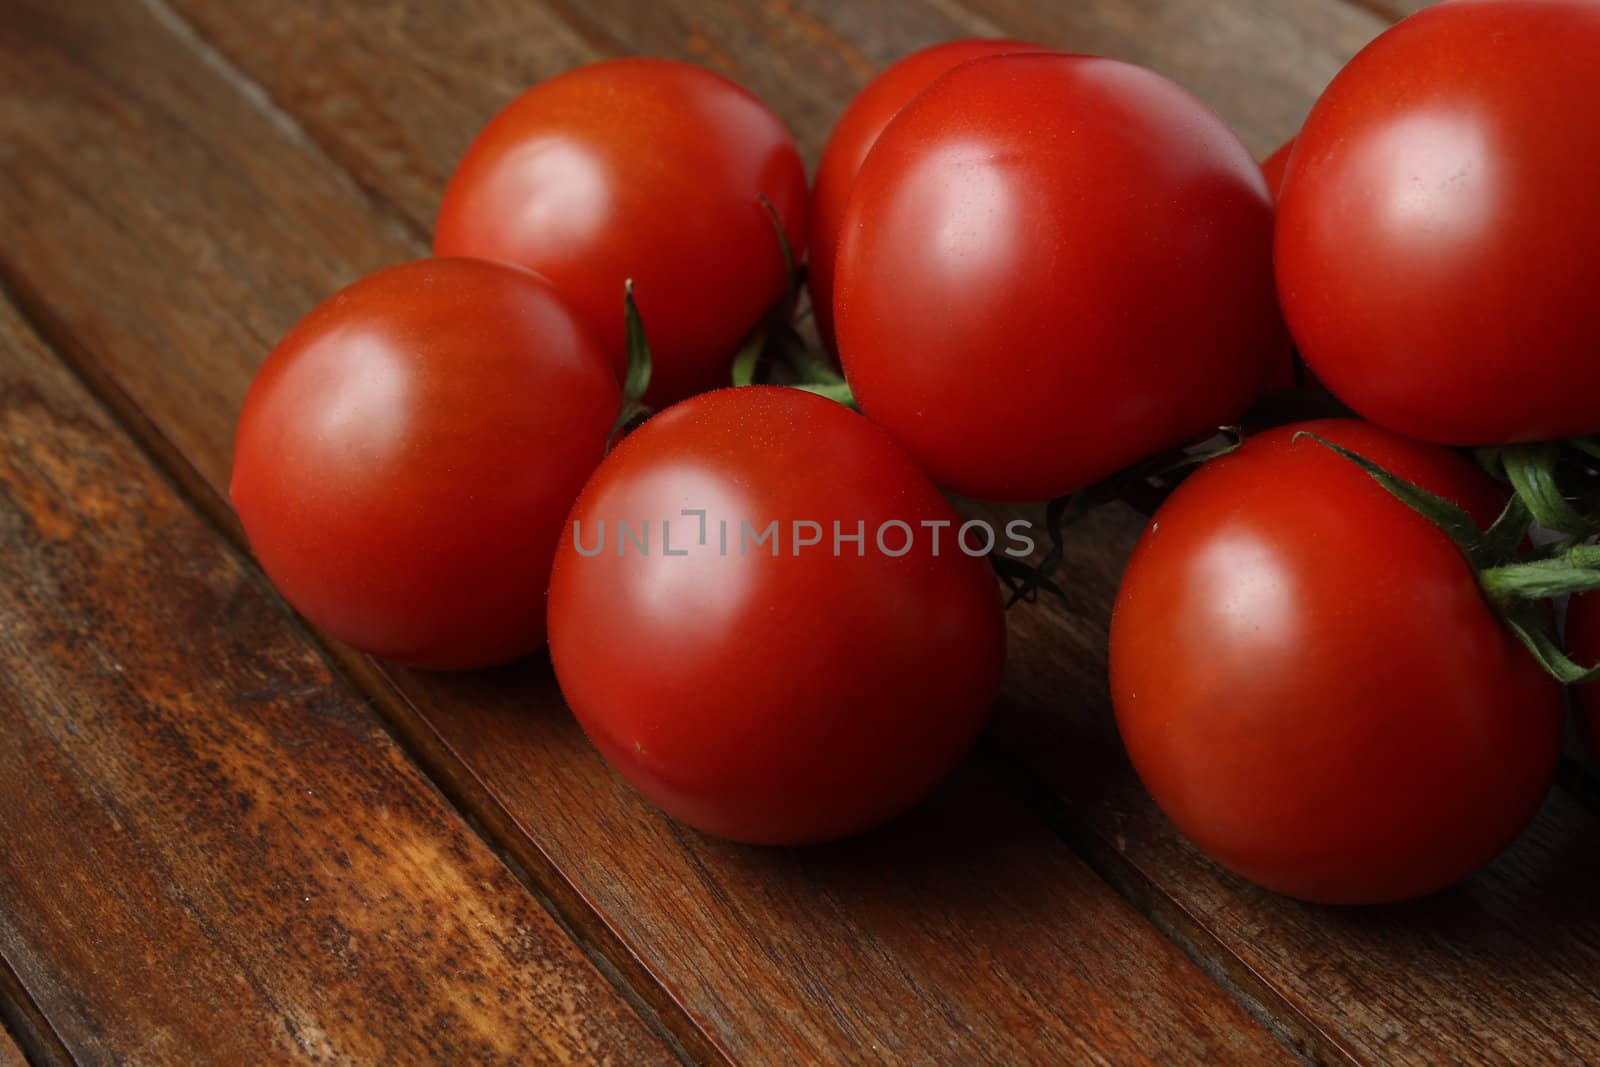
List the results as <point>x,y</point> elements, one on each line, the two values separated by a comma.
<point>1037,270</point>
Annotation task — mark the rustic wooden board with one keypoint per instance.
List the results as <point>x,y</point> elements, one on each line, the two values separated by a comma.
<point>1261,65</point>
<point>213,851</point>
<point>10,1054</point>
<point>163,228</point>
<point>957,916</point>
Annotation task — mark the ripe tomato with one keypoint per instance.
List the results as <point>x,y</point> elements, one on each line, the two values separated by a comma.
<point>1275,166</point>
<point>857,130</point>
<point>1309,680</point>
<point>1436,242</point>
<point>646,169</point>
<point>1053,266</point>
<point>777,693</point>
<point>1583,643</point>
<point>406,455</point>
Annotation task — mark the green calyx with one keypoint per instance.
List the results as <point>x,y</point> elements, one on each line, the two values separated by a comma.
<point>774,351</point>
<point>1517,580</point>
<point>636,380</point>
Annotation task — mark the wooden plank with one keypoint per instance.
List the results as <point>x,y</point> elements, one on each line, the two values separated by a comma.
<point>26,1025</point>
<point>1260,64</point>
<point>213,851</point>
<point>1394,10</point>
<point>165,228</point>
<point>10,1054</point>
<point>955,916</point>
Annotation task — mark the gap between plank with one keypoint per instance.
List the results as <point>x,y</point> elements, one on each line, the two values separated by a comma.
<point>26,1022</point>
<point>1298,1033</point>
<point>1384,11</point>
<point>399,223</point>
<point>459,788</point>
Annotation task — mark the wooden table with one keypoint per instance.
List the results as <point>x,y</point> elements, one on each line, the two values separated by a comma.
<point>227,840</point>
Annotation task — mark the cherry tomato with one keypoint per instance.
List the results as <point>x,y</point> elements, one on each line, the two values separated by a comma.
<point>1436,243</point>
<point>1053,266</point>
<point>1310,682</point>
<point>1286,374</point>
<point>1583,642</point>
<point>407,454</point>
<point>646,169</point>
<point>772,691</point>
<point>1275,166</point>
<point>857,130</point>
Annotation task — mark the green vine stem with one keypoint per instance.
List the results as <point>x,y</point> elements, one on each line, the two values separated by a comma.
<point>1142,487</point>
<point>1516,581</point>
<point>774,344</point>
<point>1556,480</point>
<point>636,381</point>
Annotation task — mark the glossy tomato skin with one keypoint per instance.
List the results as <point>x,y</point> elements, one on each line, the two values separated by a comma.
<point>1054,266</point>
<point>647,169</point>
<point>772,699</point>
<point>1310,683</point>
<point>1583,644</point>
<point>1437,233</point>
<point>1286,374</point>
<point>854,135</point>
<point>1276,166</point>
<point>407,454</point>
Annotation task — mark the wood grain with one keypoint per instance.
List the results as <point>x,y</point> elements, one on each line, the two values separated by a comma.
<point>165,227</point>
<point>1260,64</point>
<point>214,853</point>
<point>956,916</point>
<point>10,1054</point>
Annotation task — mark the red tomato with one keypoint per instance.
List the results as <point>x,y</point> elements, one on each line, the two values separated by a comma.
<point>1275,166</point>
<point>772,698</point>
<point>407,454</point>
<point>1310,682</point>
<point>645,169</point>
<point>855,134</point>
<point>1285,374</point>
<point>1053,266</point>
<point>1583,642</point>
<point>1436,244</point>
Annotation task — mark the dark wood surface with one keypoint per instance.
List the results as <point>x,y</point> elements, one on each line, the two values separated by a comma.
<point>211,842</point>
<point>179,181</point>
<point>10,1054</point>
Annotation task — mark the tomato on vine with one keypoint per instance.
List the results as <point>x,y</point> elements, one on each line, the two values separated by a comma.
<point>1276,166</point>
<point>1437,233</point>
<point>407,453</point>
<point>646,169</point>
<point>1051,267</point>
<point>1310,678</point>
<point>738,664</point>
<point>854,135</point>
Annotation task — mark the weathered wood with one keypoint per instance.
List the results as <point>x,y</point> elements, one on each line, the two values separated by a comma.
<point>166,228</point>
<point>213,851</point>
<point>1260,64</point>
<point>26,1025</point>
<point>10,1054</point>
<point>957,916</point>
